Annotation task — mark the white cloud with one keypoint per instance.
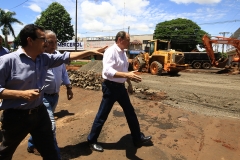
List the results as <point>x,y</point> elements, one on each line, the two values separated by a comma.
<point>91,10</point>
<point>35,8</point>
<point>131,6</point>
<point>196,1</point>
<point>93,25</point>
<point>117,14</point>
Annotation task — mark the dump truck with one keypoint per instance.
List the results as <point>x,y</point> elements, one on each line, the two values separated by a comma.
<point>158,58</point>
<point>199,60</point>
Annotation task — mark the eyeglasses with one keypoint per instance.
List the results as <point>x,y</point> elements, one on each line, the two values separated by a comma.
<point>52,42</point>
<point>43,38</point>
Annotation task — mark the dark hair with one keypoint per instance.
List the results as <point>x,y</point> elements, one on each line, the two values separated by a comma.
<point>29,31</point>
<point>121,34</point>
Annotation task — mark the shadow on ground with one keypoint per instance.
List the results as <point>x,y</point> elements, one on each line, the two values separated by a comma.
<point>82,148</point>
<point>63,113</point>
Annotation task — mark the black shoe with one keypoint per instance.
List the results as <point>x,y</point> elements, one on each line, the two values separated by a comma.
<point>33,150</point>
<point>144,139</point>
<point>96,147</point>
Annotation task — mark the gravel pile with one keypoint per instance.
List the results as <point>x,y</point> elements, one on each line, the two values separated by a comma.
<point>95,66</point>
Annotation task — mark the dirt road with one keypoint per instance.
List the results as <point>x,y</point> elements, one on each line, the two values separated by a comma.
<point>206,92</point>
<point>199,120</point>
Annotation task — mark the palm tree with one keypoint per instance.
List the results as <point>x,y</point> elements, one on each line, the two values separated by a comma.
<point>6,21</point>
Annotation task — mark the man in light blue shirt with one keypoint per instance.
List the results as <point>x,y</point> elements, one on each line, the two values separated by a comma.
<point>3,50</point>
<point>23,74</point>
<point>55,78</point>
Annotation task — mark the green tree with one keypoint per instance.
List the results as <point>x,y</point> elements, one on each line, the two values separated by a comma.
<point>16,42</point>
<point>57,19</point>
<point>184,34</point>
<point>6,21</point>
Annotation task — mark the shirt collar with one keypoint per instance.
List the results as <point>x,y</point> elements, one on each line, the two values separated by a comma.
<point>118,49</point>
<point>21,52</point>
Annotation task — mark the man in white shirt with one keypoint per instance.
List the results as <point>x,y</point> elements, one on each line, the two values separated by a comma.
<point>115,73</point>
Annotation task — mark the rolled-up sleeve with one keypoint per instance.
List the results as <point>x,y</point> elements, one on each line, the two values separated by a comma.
<point>109,62</point>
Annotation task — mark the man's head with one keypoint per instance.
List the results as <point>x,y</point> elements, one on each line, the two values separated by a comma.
<point>122,39</point>
<point>33,37</point>
<point>52,41</point>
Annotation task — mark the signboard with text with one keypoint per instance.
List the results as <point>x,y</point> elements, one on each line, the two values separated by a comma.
<point>70,46</point>
<point>97,44</point>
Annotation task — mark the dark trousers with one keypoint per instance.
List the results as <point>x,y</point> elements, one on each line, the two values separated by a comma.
<point>113,92</point>
<point>16,124</point>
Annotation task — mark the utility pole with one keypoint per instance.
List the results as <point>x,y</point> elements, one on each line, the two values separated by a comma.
<point>128,29</point>
<point>76,29</point>
<point>223,33</point>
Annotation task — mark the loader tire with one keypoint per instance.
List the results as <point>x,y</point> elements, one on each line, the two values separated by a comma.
<point>156,68</point>
<point>137,65</point>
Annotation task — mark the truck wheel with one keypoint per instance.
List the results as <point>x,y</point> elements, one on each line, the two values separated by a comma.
<point>206,65</point>
<point>156,68</point>
<point>197,65</point>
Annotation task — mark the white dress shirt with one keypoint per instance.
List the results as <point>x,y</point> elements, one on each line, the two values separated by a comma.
<point>114,60</point>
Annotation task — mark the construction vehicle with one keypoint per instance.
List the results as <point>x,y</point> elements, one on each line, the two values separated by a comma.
<point>235,61</point>
<point>220,63</point>
<point>199,60</point>
<point>157,58</point>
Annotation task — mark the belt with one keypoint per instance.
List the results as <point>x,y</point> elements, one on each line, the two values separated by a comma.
<point>25,111</point>
<point>113,83</point>
<point>53,94</point>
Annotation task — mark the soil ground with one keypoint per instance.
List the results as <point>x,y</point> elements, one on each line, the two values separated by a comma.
<point>193,116</point>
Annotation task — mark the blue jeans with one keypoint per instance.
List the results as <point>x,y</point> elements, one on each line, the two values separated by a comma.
<point>113,92</point>
<point>16,124</point>
<point>51,103</point>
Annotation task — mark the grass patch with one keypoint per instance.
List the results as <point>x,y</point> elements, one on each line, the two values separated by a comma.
<point>78,63</point>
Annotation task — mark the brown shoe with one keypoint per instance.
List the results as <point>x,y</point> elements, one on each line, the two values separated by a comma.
<point>33,150</point>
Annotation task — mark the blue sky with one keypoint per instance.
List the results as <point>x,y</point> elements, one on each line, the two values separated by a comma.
<point>106,18</point>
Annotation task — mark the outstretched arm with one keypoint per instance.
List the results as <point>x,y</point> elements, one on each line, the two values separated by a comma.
<point>79,55</point>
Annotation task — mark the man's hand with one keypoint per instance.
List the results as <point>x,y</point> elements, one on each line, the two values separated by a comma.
<point>102,50</point>
<point>69,94</point>
<point>99,51</point>
<point>30,95</point>
<point>82,54</point>
<point>133,77</point>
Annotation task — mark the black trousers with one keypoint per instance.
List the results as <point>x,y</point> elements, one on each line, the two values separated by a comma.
<point>113,92</point>
<point>16,124</point>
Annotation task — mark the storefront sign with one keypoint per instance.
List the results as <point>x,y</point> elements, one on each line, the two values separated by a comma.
<point>70,46</point>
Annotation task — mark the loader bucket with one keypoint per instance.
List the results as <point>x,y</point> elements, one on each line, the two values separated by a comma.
<point>221,63</point>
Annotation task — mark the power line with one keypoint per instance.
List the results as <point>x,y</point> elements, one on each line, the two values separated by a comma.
<point>219,22</point>
<point>19,5</point>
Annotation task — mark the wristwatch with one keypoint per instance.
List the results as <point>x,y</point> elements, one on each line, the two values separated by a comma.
<point>69,87</point>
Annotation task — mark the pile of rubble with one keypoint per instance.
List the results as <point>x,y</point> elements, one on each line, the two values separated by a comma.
<point>89,76</point>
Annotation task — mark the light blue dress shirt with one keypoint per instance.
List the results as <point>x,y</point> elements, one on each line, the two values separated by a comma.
<point>19,72</point>
<point>55,78</point>
<point>3,51</point>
